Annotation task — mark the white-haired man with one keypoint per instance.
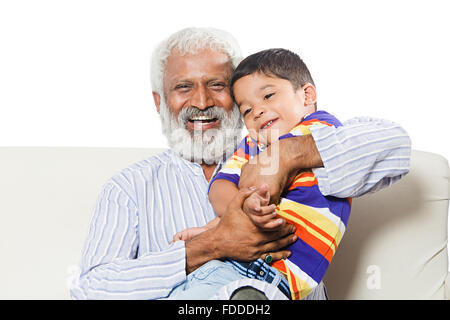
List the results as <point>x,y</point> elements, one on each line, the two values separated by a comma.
<point>128,252</point>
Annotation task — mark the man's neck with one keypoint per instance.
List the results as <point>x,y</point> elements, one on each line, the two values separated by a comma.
<point>208,170</point>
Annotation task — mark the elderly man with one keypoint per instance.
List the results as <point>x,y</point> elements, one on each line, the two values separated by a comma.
<point>128,253</point>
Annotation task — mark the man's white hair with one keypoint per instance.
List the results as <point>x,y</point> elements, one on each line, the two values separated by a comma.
<point>191,40</point>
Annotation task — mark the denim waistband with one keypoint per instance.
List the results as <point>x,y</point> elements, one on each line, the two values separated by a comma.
<point>260,270</point>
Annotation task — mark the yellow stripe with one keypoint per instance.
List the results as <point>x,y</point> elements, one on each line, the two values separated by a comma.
<point>313,217</point>
<point>302,128</point>
<point>234,164</point>
<point>337,236</point>
<point>304,179</point>
<point>310,230</point>
<point>302,286</point>
<point>237,158</point>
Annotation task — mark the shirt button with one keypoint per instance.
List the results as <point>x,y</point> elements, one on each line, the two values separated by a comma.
<point>261,273</point>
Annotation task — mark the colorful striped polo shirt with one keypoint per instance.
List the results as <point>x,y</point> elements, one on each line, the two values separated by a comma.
<point>320,221</point>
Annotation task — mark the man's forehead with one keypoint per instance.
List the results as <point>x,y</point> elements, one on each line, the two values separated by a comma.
<point>204,63</point>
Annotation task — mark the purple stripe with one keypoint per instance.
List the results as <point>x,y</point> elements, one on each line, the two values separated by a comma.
<point>308,260</point>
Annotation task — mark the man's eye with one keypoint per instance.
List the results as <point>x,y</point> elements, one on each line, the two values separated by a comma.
<point>267,96</point>
<point>182,87</point>
<point>218,85</point>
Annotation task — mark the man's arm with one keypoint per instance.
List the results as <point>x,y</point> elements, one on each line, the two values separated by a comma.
<point>112,269</point>
<point>364,155</point>
<point>110,266</point>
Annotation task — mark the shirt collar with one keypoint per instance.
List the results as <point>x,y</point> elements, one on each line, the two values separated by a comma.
<point>184,164</point>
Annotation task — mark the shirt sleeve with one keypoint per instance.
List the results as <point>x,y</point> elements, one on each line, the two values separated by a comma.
<point>110,265</point>
<point>364,155</point>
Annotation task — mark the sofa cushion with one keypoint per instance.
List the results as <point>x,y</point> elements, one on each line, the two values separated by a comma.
<point>395,246</point>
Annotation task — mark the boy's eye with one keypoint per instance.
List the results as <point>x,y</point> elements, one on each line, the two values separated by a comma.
<point>247,111</point>
<point>267,96</point>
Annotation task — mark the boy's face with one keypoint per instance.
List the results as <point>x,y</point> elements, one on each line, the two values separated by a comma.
<point>270,106</point>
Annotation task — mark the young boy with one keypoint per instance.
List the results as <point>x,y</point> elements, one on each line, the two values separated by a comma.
<point>277,98</point>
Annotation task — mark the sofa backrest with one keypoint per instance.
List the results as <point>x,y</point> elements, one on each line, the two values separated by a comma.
<point>395,245</point>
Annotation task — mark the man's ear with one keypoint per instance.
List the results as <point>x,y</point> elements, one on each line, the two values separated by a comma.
<point>310,94</point>
<point>157,99</point>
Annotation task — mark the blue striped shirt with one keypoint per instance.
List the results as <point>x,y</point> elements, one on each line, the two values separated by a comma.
<point>127,254</point>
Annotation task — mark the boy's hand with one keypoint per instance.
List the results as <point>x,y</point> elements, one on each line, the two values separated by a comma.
<point>188,234</point>
<point>257,207</point>
<point>290,155</point>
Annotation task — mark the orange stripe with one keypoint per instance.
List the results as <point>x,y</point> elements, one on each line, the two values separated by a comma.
<point>311,225</point>
<point>302,175</point>
<point>315,243</point>
<point>303,184</point>
<point>305,174</point>
<point>314,121</point>
<point>280,266</point>
<point>241,153</point>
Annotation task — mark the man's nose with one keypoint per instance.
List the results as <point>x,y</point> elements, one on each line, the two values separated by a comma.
<point>201,98</point>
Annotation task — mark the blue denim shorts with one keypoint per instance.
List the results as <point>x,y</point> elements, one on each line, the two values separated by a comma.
<point>205,281</point>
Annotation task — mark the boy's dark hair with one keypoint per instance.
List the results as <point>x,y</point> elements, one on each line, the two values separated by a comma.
<point>280,63</point>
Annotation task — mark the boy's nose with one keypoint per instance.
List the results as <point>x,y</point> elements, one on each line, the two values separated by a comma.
<point>258,111</point>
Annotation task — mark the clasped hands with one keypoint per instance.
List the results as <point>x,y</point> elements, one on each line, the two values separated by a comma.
<point>250,227</point>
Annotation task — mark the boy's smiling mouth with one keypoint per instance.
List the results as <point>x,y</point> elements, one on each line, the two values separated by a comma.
<point>268,124</point>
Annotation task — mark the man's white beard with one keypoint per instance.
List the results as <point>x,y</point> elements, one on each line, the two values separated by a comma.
<point>199,146</point>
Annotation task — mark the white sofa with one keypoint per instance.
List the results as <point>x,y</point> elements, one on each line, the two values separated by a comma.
<point>395,246</point>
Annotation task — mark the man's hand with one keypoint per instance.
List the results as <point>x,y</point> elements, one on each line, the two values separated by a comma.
<point>278,165</point>
<point>236,237</point>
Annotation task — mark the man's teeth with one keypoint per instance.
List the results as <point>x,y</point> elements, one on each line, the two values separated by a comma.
<point>267,124</point>
<point>202,118</point>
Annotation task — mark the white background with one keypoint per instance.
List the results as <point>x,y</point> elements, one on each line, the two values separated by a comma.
<point>76,73</point>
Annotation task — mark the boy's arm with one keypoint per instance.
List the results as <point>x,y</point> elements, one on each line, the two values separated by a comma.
<point>220,195</point>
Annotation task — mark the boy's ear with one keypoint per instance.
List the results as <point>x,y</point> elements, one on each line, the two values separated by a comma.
<point>157,99</point>
<point>310,94</point>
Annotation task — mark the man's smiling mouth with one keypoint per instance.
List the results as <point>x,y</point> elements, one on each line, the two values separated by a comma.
<point>202,119</point>
<point>202,123</point>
